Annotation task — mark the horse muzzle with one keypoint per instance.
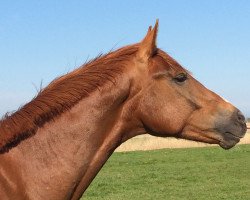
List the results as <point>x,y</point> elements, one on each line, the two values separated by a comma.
<point>231,130</point>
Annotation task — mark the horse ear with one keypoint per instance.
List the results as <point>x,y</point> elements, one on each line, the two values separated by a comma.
<point>147,47</point>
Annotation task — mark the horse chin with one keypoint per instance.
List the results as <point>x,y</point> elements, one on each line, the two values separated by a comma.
<point>226,145</point>
<point>229,140</point>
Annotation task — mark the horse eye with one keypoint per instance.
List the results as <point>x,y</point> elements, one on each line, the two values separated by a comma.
<point>181,77</point>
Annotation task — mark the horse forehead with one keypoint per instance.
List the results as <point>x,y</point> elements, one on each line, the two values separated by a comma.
<point>164,64</point>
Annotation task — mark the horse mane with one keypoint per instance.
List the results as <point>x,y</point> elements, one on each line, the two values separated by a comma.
<point>61,95</point>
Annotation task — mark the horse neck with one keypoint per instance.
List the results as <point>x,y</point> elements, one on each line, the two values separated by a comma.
<point>69,151</point>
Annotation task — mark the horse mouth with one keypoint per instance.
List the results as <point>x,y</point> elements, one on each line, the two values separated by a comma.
<point>229,140</point>
<point>225,140</point>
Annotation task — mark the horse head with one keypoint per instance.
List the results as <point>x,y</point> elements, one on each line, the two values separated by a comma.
<point>172,103</point>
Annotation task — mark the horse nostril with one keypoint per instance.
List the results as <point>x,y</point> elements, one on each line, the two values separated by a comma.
<point>241,117</point>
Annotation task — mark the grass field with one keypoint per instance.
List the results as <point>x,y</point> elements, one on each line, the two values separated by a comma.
<point>173,174</point>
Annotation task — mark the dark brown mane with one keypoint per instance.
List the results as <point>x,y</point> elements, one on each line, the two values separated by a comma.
<point>60,95</point>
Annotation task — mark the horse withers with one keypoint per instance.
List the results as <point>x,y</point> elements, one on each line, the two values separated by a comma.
<point>53,147</point>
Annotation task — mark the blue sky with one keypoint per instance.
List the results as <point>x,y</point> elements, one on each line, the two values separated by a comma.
<point>40,40</point>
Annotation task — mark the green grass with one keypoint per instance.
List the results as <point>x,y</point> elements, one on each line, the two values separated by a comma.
<point>173,174</point>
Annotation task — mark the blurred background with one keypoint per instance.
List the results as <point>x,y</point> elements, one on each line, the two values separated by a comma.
<point>41,40</point>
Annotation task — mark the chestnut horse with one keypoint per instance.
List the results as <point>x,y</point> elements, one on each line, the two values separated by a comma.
<point>53,147</point>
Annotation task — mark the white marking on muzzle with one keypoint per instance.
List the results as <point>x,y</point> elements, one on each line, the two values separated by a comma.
<point>225,99</point>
